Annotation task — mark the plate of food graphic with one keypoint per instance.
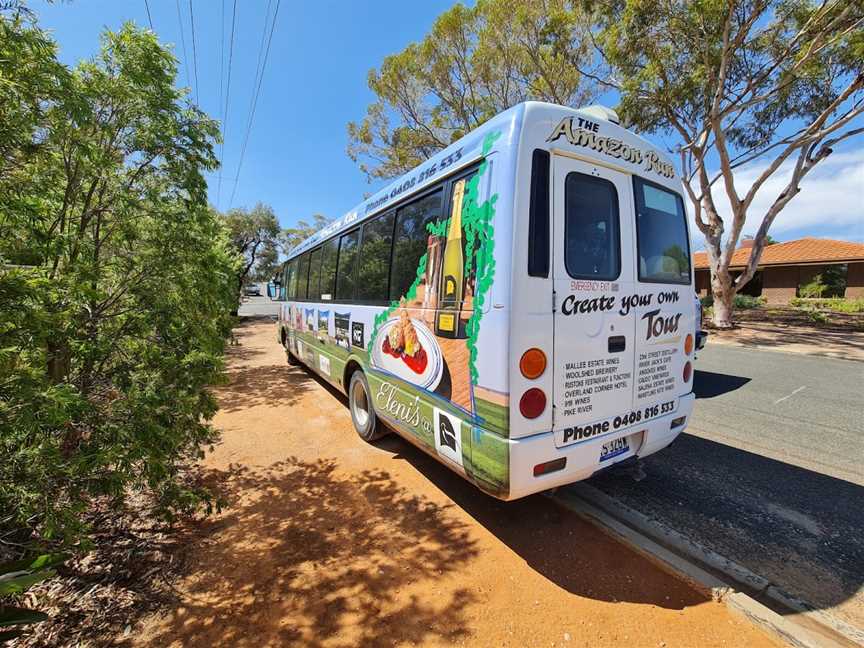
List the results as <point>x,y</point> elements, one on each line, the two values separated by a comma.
<point>406,348</point>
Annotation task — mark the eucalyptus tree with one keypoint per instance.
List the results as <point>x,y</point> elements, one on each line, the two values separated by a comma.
<point>775,84</point>
<point>474,63</point>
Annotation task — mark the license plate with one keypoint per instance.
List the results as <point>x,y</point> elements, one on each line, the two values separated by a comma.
<point>614,448</point>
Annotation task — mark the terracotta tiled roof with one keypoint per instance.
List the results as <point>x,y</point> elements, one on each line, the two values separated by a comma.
<point>806,250</point>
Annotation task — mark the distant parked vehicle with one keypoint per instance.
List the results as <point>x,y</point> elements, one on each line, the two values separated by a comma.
<point>252,290</point>
<point>701,336</point>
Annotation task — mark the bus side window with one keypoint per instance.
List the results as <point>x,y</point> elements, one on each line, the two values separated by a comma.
<point>328,269</point>
<point>345,268</point>
<point>303,276</point>
<point>373,268</point>
<point>291,284</point>
<point>283,283</point>
<point>314,274</point>
<point>412,241</point>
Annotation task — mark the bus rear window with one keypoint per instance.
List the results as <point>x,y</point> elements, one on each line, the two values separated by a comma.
<point>661,230</point>
<point>591,228</point>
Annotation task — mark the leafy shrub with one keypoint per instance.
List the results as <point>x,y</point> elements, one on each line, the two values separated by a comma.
<point>16,578</point>
<point>813,289</point>
<point>816,316</point>
<point>112,334</point>
<point>745,302</point>
<point>836,304</point>
<point>741,301</point>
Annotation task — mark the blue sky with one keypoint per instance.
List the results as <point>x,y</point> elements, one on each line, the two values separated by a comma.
<point>315,82</point>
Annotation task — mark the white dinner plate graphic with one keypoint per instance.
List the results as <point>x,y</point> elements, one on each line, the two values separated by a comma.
<point>430,378</point>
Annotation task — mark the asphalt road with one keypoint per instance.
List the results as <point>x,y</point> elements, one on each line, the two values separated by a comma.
<point>256,306</point>
<point>770,473</point>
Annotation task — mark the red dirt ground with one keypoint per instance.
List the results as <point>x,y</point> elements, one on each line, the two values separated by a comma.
<point>329,541</point>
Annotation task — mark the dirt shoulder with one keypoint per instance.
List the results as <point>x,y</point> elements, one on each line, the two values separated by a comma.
<point>329,541</point>
<point>788,329</point>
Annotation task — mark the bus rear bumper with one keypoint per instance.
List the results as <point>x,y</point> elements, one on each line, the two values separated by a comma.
<point>583,459</point>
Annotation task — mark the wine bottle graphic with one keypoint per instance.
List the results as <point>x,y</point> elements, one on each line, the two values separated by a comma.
<point>452,270</point>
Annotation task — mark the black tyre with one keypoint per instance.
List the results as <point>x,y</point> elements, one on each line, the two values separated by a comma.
<point>362,412</point>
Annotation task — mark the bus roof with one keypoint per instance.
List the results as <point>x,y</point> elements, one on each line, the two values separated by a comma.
<point>460,154</point>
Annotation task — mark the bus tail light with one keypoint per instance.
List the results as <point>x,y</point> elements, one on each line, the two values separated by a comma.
<point>688,371</point>
<point>532,403</point>
<point>533,363</point>
<point>688,344</point>
<point>550,466</point>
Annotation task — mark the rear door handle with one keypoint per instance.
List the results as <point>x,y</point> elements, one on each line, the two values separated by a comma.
<point>617,343</point>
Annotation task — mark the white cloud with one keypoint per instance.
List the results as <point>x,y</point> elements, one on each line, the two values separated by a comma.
<point>831,201</point>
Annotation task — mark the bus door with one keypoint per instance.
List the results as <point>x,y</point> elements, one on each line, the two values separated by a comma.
<point>594,325</point>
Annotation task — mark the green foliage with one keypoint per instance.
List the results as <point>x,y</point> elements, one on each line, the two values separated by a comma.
<point>254,236</point>
<point>474,63</point>
<point>293,236</point>
<point>745,302</point>
<point>831,282</point>
<point>816,316</point>
<point>16,578</point>
<point>116,280</point>
<point>837,304</point>
<point>814,288</point>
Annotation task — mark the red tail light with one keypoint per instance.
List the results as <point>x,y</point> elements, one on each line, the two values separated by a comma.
<point>550,466</point>
<point>532,403</point>
<point>688,371</point>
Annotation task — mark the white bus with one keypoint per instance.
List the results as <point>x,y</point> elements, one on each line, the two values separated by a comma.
<point>520,306</point>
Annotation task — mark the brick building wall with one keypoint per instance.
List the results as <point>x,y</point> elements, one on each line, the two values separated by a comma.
<point>855,281</point>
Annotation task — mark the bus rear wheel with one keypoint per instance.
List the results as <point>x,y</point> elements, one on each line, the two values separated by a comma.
<point>362,412</point>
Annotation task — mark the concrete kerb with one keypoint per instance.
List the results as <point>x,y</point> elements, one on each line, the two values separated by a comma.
<point>699,567</point>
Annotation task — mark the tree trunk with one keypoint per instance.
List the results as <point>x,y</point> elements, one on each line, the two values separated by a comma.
<point>723,292</point>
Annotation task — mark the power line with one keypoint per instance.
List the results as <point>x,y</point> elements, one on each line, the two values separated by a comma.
<point>149,17</point>
<point>194,51</point>
<point>183,43</point>
<point>221,53</point>
<point>254,103</point>
<point>227,102</point>
<point>260,51</point>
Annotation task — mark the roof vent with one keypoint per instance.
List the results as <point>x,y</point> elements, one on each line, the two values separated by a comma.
<point>601,112</point>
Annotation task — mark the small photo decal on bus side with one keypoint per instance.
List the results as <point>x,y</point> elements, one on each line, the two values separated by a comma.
<point>357,334</point>
<point>324,363</point>
<point>448,436</point>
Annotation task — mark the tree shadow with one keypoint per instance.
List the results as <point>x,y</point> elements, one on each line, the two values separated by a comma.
<point>565,549</point>
<point>307,556</point>
<point>263,385</point>
<point>708,384</point>
<point>800,529</point>
<point>819,341</point>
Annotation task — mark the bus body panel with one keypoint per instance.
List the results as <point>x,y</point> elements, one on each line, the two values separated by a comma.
<point>462,404</point>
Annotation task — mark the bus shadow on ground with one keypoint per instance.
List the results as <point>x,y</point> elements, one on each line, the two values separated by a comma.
<point>708,384</point>
<point>305,555</point>
<point>801,530</point>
